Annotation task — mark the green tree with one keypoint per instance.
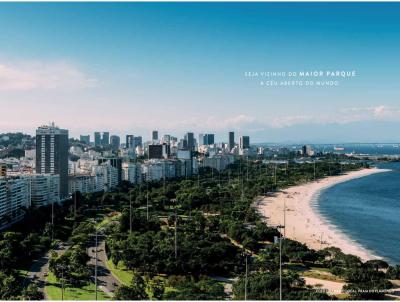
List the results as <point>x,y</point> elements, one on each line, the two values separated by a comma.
<point>135,291</point>
<point>31,292</point>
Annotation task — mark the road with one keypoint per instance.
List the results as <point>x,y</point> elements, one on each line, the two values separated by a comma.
<point>105,280</point>
<point>39,269</point>
<point>228,284</point>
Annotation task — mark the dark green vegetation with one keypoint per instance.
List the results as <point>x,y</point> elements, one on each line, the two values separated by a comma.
<point>214,225</point>
<point>178,238</point>
<point>28,240</point>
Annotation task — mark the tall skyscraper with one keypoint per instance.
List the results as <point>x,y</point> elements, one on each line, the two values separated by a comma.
<point>201,139</point>
<point>129,141</point>
<point>244,142</point>
<point>115,162</point>
<point>85,139</point>
<point>115,142</point>
<point>166,139</point>
<point>52,154</point>
<point>137,141</point>
<point>231,143</point>
<point>155,151</point>
<point>97,139</point>
<point>208,139</point>
<point>154,136</point>
<point>105,141</point>
<point>189,137</point>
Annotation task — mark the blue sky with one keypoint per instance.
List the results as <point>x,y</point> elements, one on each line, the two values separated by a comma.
<point>176,67</point>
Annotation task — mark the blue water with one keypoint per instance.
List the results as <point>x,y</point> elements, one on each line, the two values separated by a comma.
<point>367,209</point>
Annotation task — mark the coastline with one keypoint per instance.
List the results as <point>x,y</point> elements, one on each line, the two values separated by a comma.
<point>303,221</point>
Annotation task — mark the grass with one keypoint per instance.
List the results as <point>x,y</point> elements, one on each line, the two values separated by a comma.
<point>120,272</point>
<point>22,272</point>
<point>125,276</point>
<point>107,220</point>
<point>87,292</point>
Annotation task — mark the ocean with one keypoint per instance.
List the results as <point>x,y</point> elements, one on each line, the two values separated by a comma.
<point>367,209</point>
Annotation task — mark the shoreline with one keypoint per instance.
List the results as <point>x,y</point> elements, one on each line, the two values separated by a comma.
<point>304,223</point>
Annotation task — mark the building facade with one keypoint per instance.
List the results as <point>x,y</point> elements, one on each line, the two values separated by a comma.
<point>14,200</point>
<point>52,154</point>
<point>244,142</point>
<point>45,189</point>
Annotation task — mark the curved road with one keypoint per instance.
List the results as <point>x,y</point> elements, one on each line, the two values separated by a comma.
<point>105,279</point>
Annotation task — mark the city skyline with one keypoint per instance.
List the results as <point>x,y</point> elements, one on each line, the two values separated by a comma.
<point>129,68</point>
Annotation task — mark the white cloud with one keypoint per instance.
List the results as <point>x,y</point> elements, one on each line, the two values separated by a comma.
<point>248,123</point>
<point>37,75</point>
<point>380,112</point>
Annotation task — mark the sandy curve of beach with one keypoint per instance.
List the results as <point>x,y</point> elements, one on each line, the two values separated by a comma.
<point>304,223</point>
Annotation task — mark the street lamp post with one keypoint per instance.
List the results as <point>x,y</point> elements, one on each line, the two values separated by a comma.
<point>62,283</point>
<point>245,282</point>
<point>130,211</point>
<point>52,221</point>
<point>280,259</point>
<point>147,202</point>
<point>95,268</point>
<point>280,267</point>
<point>176,235</point>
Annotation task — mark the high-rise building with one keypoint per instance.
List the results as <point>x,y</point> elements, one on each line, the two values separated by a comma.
<point>14,197</point>
<point>52,154</point>
<point>189,137</point>
<point>129,141</point>
<point>307,150</point>
<point>131,172</point>
<point>115,142</point>
<point>45,189</point>
<point>201,139</point>
<point>137,142</point>
<point>231,143</point>
<point>115,162</point>
<point>85,139</point>
<point>97,139</point>
<point>3,170</point>
<point>183,144</point>
<point>154,135</point>
<point>208,139</point>
<point>166,139</point>
<point>244,142</point>
<point>105,141</point>
<point>155,151</point>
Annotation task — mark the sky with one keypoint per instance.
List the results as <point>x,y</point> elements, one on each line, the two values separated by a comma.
<point>129,68</point>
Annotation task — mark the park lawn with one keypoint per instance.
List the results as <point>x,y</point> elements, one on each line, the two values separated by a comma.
<point>87,292</point>
<point>120,272</point>
<point>125,276</point>
<point>107,220</point>
<point>22,272</point>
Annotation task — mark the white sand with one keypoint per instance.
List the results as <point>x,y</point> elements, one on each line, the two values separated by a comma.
<point>304,223</point>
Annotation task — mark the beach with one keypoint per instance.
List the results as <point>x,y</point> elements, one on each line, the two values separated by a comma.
<point>303,222</point>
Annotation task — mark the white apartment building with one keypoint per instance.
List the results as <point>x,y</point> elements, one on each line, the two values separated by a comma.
<point>131,172</point>
<point>218,162</point>
<point>153,170</point>
<point>109,175</point>
<point>14,197</point>
<point>45,189</point>
<point>85,183</point>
